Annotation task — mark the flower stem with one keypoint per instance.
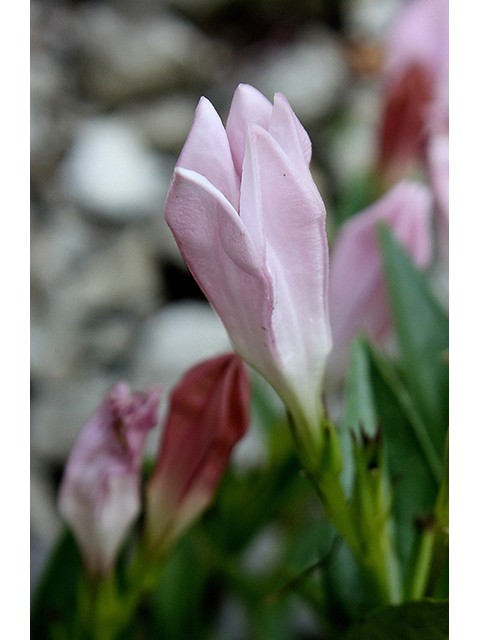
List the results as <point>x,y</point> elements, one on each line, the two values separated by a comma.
<point>365,525</point>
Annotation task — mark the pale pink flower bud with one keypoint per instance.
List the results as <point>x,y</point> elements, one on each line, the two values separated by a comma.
<point>100,494</point>
<point>209,412</point>
<point>358,294</point>
<point>415,81</point>
<point>250,224</point>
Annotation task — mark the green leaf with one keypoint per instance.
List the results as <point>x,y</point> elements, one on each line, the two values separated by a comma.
<point>412,462</point>
<point>421,620</point>
<point>356,196</point>
<point>360,414</point>
<point>53,604</point>
<point>178,605</point>
<point>422,329</point>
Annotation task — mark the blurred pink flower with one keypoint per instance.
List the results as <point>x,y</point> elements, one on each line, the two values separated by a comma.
<point>438,162</point>
<point>415,82</point>
<point>208,414</point>
<point>358,297</point>
<point>250,224</point>
<point>100,491</point>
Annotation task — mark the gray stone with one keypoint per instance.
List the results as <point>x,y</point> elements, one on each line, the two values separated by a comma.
<point>311,73</point>
<point>109,341</point>
<point>128,59</point>
<point>167,122</point>
<point>61,411</point>
<point>178,337</point>
<point>58,246</point>
<point>264,551</point>
<point>251,450</point>
<point>111,171</point>
<point>88,300</point>
<point>49,121</point>
<point>45,524</point>
<point>120,277</point>
<point>370,19</point>
<point>354,148</point>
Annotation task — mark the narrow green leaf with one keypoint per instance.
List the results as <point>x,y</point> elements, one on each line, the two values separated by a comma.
<point>422,329</point>
<point>53,603</point>
<point>360,192</point>
<point>422,620</point>
<point>178,607</point>
<point>360,414</point>
<point>412,461</point>
<point>417,425</point>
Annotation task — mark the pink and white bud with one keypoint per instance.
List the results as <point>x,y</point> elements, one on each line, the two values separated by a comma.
<point>358,295</point>
<point>209,413</point>
<point>100,495</point>
<point>416,78</point>
<point>250,224</point>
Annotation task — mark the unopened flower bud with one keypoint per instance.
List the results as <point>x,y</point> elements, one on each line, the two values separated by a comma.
<point>100,491</point>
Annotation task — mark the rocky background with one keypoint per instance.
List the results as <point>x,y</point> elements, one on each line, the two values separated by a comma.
<point>114,85</point>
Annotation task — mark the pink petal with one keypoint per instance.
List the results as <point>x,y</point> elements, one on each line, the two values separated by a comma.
<point>100,490</point>
<point>294,225</point>
<point>219,252</point>
<point>207,151</point>
<point>285,127</point>
<point>420,35</point>
<point>248,106</point>
<point>358,297</point>
<point>438,159</point>
<point>416,79</point>
<point>208,414</point>
<point>251,200</point>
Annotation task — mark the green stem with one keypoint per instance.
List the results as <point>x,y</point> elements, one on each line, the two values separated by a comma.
<point>103,610</point>
<point>367,530</point>
<point>374,553</point>
<point>336,508</point>
<point>97,616</point>
<point>417,585</point>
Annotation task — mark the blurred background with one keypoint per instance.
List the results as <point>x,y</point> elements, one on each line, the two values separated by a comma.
<point>114,85</point>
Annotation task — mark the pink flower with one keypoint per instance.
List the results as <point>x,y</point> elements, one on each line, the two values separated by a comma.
<point>100,490</point>
<point>415,81</point>
<point>250,225</point>
<point>209,412</point>
<point>358,297</point>
<point>438,162</point>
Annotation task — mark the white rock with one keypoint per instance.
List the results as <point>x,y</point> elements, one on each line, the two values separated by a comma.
<point>251,450</point>
<point>263,553</point>
<point>58,246</point>
<point>45,524</point>
<point>198,7</point>
<point>232,619</point>
<point>370,19</point>
<point>120,277</point>
<point>43,514</point>
<point>127,58</point>
<point>178,337</point>
<point>354,147</point>
<point>311,72</point>
<point>85,310</point>
<point>109,341</point>
<point>167,123</point>
<point>53,350</point>
<point>60,412</point>
<point>112,172</point>
<point>46,76</point>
